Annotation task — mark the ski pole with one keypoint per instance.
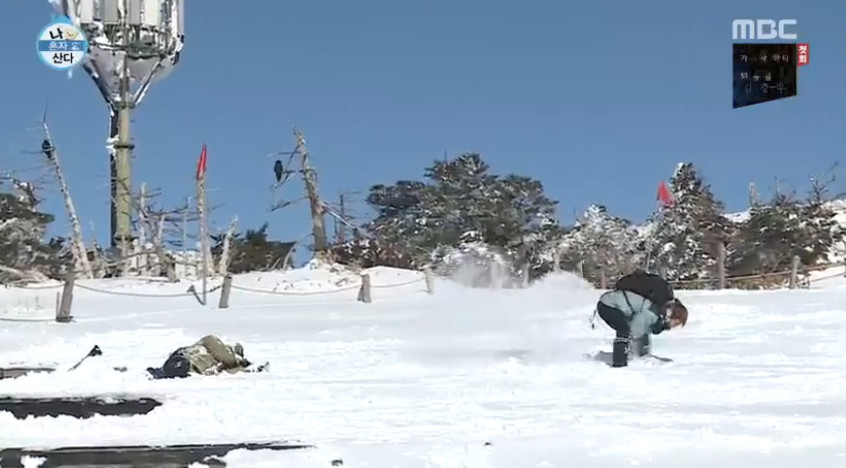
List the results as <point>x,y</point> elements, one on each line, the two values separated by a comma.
<point>95,351</point>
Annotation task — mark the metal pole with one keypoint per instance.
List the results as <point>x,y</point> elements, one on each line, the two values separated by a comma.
<point>342,233</point>
<point>203,231</point>
<point>205,274</point>
<point>113,214</point>
<point>123,201</point>
<point>185,231</point>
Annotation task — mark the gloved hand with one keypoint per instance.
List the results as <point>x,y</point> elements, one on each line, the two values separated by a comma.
<point>659,326</point>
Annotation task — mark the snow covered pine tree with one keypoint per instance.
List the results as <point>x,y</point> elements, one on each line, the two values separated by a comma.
<point>601,241</point>
<point>683,239</point>
<point>23,253</point>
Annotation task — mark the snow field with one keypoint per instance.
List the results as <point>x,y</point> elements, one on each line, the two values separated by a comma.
<point>417,380</point>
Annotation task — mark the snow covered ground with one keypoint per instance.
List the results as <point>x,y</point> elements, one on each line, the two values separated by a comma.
<point>461,378</point>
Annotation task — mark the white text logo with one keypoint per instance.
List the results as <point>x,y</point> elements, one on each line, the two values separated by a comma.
<point>764,29</point>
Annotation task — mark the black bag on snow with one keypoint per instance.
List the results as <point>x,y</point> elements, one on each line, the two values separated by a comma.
<point>647,285</point>
<point>177,366</point>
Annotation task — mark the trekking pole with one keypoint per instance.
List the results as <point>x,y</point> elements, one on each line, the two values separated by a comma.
<point>95,351</point>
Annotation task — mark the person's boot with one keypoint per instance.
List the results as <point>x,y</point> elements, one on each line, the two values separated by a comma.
<point>620,354</point>
<point>642,346</point>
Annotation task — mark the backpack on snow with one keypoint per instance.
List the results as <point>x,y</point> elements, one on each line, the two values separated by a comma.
<point>647,285</point>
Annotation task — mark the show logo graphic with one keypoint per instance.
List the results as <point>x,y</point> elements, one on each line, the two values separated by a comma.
<point>764,71</point>
<point>61,45</point>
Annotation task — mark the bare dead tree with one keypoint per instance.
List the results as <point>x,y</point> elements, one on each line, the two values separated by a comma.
<point>98,262</point>
<point>157,221</point>
<point>754,198</point>
<point>159,228</point>
<point>25,275</point>
<point>280,204</point>
<point>294,247</point>
<point>310,182</point>
<point>283,172</point>
<point>821,184</point>
<point>80,254</point>
<point>340,218</point>
<point>223,263</point>
<point>142,229</point>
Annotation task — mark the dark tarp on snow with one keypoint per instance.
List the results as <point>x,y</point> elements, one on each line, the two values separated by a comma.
<point>78,407</point>
<point>137,456</point>
<point>14,372</point>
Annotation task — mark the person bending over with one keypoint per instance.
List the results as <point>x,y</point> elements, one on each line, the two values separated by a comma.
<point>641,304</point>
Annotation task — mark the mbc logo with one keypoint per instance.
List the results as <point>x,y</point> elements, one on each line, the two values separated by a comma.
<point>762,29</point>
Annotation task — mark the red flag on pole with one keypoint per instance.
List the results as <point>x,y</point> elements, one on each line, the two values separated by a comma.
<point>201,163</point>
<point>664,195</point>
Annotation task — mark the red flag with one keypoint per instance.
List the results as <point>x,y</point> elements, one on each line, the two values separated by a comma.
<point>664,195</point>
<point>201,163</point>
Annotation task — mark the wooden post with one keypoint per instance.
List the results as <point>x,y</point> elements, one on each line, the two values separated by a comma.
<point>556,265</point>
<point>603,281</point>
<point>224,292</point>
<point>430,280</point>
<point>223,263</point>
<point>794,272</point>
<point>721,266</point>
<point>524,274</point>
<point>364,292</point>
<point>493,274</point>
<point>63,314</point>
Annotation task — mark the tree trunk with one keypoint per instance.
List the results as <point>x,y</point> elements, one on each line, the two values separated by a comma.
<point>223,263</point>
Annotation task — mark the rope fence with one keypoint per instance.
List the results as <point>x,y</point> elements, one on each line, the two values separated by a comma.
<point>797,276</point>
<point>293,293</point>
<point>131,294</point>
<point>64,298</point>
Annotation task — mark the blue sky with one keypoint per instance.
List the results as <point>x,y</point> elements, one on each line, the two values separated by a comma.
<point>383,87</point>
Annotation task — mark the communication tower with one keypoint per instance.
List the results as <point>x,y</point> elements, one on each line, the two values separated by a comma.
<point>132,44</point>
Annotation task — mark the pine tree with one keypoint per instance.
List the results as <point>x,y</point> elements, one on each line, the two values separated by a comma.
<point>462,199</point>
<point>786,227</point>
<point>683,239</point>
<point>602,241</point>
<point>523,223</point>
<point>23,251</point>
<point>400,229</point>
<point>253,251</point>
<point>821,230</point>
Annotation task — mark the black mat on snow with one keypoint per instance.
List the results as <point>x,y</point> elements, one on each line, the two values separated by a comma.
<point>13,372</point>
<point>137,456</point>
<point>78,407</point>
